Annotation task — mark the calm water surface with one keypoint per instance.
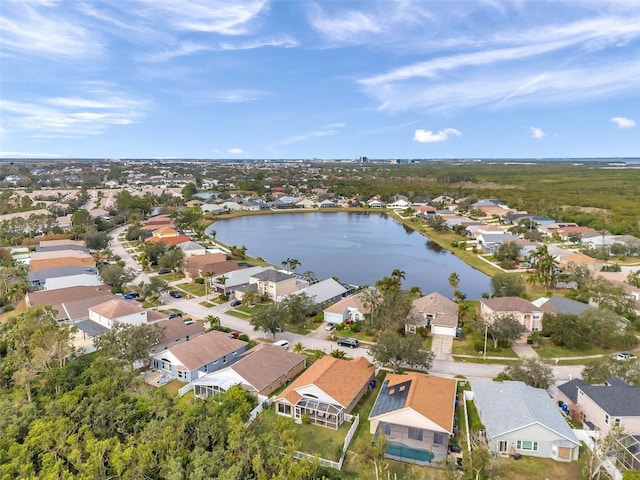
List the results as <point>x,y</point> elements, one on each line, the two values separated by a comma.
<point>358,248</point>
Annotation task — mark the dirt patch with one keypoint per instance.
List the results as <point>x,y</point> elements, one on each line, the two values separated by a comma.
<point>19,309</point>
<point>594,210</point>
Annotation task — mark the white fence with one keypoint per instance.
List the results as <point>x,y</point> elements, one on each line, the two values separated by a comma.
<point>347,440</point>
<point>261,406</point>
<point>607,464</point>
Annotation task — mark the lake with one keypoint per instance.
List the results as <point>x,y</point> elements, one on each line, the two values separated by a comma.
<point>357,248</point>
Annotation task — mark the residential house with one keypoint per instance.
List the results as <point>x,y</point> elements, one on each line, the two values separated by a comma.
<point>327,391</point>
<point>63,277</point>
<point>206,353</point>
<point>490,242</point>
<point>349,308</point>
<point>523,311</point>
<point>115,311</point>
<point>442,200</point>
<point>562,305</point>
<point>327,204</point>
<point>158,222</point>
<point>236,280</point>
<point>575,259</point>
<point>60,258</point>
<point>274,283</point>
<point>305,203</point>
<point>601,407</point>
<point>376,203</point>
<point>212,209</point>
<point>434,311</point>
<point>191,249</point>
<point>261,371</point>
<point>167,236</point>
<point>71,304</point>
<point>519,419</point>
<point>321,293</point>
<point>415,412</point>
<point>176,331</point>
<point>399,204</point>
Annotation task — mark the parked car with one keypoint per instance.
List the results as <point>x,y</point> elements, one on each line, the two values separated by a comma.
<point>234,334</point>
<point>625,356</point>
<point>162,271</point>
<point>349,342</point>
<point>133,294</point>
<point>175,294</point>
<point>175,314</point>
<point>330,326</point>
<point>235,303</point>
<point>127,296</point>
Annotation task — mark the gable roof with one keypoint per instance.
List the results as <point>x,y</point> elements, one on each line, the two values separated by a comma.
<point>340,379</point>
<point>266,363</point>
<point>322,291</point>
<point>510,304</point>
<point>117,308</point>
<point>557,304</point>
<point>353,301</point>
<point>205,349</point>
<point>617,398</point>
<point>444,309</point>
<point>432,397</point>
<point>56,297</point>
<point>508,406</point>
<point>570,389</point>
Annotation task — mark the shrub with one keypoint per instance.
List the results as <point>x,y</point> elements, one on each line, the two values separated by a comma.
<point>306,419</point>
<point>422,331</point>
<point>200,280</point>
<point>244,337</point>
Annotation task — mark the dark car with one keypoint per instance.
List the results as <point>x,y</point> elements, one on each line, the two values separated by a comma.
<point>175,314</point>
<point>127,296</point>
<point>162,271</point>
<point>234,334</point>
<point>235,303</point>
<point>349,342</point>
<point>133,294</point>
<point>175,294</point>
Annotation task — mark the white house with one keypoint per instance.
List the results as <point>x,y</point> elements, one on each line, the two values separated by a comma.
<point>115,311</point>
<point>349,308</point>
<point>434,311</point>
<point>399,204</point>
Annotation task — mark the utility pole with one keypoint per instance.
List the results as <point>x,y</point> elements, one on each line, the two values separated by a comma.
<point>486,330</point>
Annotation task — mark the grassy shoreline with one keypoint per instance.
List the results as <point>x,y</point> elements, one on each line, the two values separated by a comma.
<point>443,239</point>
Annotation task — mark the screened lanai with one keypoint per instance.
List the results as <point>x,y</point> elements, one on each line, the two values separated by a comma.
<point>319,412</point>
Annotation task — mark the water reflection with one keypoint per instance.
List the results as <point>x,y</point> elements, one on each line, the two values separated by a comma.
<point>435,247</point>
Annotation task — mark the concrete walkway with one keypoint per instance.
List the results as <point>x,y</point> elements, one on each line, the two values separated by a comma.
<point>524,350</point>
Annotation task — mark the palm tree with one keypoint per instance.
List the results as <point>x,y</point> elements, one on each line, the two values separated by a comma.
<point>291,264</point>
<point>454,281</point>
<point>370,299</point>
<point>212,320</point>
<point>298,347</point>
<point>397,276</point>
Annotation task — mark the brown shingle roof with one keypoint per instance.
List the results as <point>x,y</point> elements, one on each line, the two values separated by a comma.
<point>265,363</point>
<point>205,349</point>
<point>340,379</point>
<point>445,310</point>
<point>117,308</point>
<point>61,295</point>
<point>354,301</point>
<point>176,328</point>
<point>510,304</point>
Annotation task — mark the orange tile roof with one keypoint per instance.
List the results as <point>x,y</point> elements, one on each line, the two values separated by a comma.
<point>341,379</point>
<point>169,240</point>
<point>35,265</point>
<point>432,397</point>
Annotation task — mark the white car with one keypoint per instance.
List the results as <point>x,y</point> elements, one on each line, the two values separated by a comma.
<point>330,326</point>
<point>625,356</point>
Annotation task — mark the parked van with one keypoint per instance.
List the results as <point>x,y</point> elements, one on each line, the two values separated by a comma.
<point>282,343</point>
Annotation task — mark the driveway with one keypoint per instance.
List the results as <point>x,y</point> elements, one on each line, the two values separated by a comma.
<point>441,346</point>
<point>524,350</point>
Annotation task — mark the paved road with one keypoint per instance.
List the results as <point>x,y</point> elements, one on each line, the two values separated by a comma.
<point>317,340</point>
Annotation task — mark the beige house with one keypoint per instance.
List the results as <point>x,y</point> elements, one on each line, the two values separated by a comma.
<point>434,311</point>
<point>415,412</point>
<point>600,407</point>
<point>274,283</point>
<point>165,232</point>
<point>326,391</point>
<point>525,312</point>
<point>261,371</point>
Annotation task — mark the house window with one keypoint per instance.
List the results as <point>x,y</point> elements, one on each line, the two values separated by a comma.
<point>415,433</point>
<point>284,409</point>
<point>438,438</point>
<point>411,328</point>
<point>606,418</point>
<point>385,428</point>
<point>617,422</point>
<point>527,445</point>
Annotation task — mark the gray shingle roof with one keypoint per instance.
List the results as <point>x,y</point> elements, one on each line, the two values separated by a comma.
<point>56,272</point>
<point>272,276</point>
<point>509,406</point>
<point>618,400</point>
<point>570,389</point>
<point>558,304</point>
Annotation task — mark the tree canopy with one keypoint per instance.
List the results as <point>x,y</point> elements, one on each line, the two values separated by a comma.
<point>397,350</point>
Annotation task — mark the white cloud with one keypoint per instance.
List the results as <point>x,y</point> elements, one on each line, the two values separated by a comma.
<point>536,133</point>
<point>327,130</point>
<point>623,122</point>
<point>72,117</point>
<point>235,151</point>
<point>427,136</point>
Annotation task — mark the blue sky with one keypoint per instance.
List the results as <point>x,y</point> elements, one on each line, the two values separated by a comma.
<point>325,79</point>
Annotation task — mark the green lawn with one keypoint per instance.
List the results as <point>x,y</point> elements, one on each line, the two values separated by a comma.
<point>549,350</point>
<point>488,361</point>
<point>238,314</point>
<point>466,347</point>
<point>316,440</point>
<point>195,289</point>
